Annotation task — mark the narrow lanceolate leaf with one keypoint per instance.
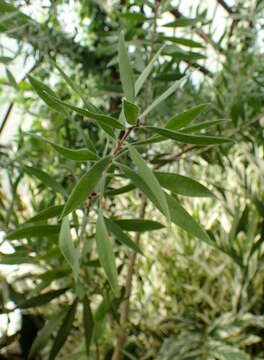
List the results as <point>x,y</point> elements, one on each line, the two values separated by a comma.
<point>45,178</point>
<point>189,139</point>
<point>88,323</point>
<point>161,98</point>
<point>150,179</point>
<point>179,216</point>
<point>144,75</point>
<point>11,79</point>
<point>125,69</point>
<point>182,22</point>
<point>106,253</point>
<point>63,331</point>
<point>183,41</point>
<point>182,218</point>
<point>51,99</point>
<point>45,333</point>
<point>100,118</point>
<point>68,249</point>
<point>138,225</point>
<point>76,88</point>
<point>5,59</point>
<point>46,214</point>
<point>33,231</point>
<point>85,186</point>
<point>202,126</point>
<point>121,236</point>
<point>185,118</point>
<point>72,154</point>
<point>131,112</point>
<point>16,259</point>
<point>182,185</point>
<point>41,299</point>
<point>121,190</point>
<point>46,94</point>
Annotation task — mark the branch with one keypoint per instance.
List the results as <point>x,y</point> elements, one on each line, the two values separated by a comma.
<point>225,6</point>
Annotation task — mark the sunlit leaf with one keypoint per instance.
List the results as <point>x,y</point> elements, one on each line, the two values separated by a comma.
<point>33,231</point>
<point>126,72</point>
<point>150,179</point>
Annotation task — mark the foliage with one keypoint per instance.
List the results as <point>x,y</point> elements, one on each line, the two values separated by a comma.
<point>124,144</point>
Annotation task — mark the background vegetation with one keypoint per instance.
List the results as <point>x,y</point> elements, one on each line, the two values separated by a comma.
<point>115,278</point>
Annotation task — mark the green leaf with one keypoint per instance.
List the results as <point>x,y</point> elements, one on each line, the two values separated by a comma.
<point>161,98</point>
<point>105,253</point>
<point>123,238</point>
<point>64,331</point>
<point>46,94</point>
<point>41,299</point>
<point>189,139</point>
<point>103,120</point>
<point>33,231</point>
<point>68,249</point>
<point>202,126</point>
<point>45,333</point>
<point>183,119</point>
<point>75,88</point>
<point>5,59</point>
<point>48,213</point>
<point>11,79</point>
<point>85,186</point>
<point>182,185</point>
<point>144,75</point>
<point>119,191</point>
<point>72,154</point>
<point>16,259</point>
<point>149,178</point>
<point>131,112</point>
<point>88,324</point>
<point>125,69</point>
<point>138,225</point>
<point>182,41</point>
<point>133,16</point>
<point>45,178</point>
<point>179,216</point>
<point>182,22</point>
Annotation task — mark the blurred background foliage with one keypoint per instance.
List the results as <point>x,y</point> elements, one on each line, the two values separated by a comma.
<point>190,300</point>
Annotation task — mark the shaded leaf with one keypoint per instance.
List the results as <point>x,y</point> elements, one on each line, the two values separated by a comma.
<point>131,112</point>
<point>64,331</point>
<point>33,231</point>
<point>48,213</point>
<point>105,253</point>
<point>123,238</point>
<point>41,299</point>
<point>45,333</point>
<point>88,323</point>
<point>138,225</point>
<point>68,249</point>
<point>72,154</point>
<point>45,178</point>
<point>85,186</point>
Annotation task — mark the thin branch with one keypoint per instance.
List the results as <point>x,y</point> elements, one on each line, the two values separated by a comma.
<point>225,6</point>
